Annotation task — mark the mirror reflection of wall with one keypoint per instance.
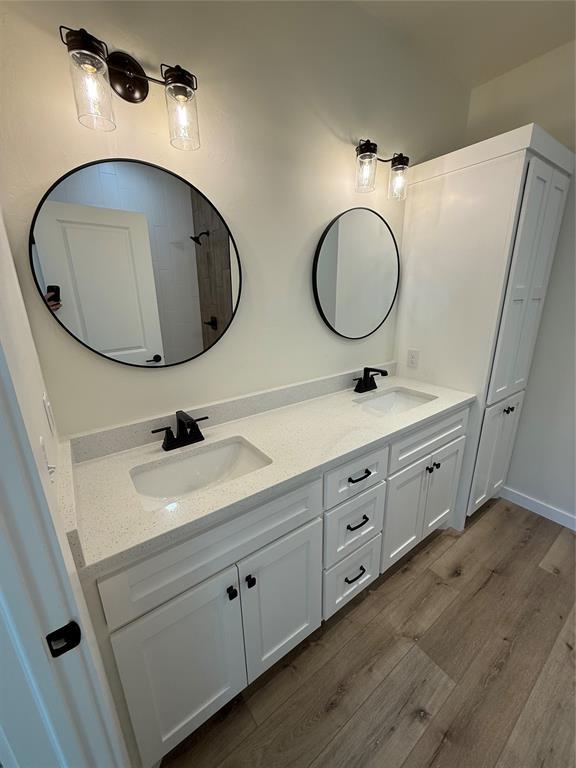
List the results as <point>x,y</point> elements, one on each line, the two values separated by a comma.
<point>356,273</point>
<point>146,268</point>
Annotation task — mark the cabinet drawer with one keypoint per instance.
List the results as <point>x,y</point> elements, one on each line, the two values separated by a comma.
<point>349,577</point>
<point>424,441</point>
<point>148,584</point>
<point>349,479</point>
<point>353,523</point>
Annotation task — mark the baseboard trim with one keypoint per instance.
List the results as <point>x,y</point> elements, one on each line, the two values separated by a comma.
<point>539,507</point>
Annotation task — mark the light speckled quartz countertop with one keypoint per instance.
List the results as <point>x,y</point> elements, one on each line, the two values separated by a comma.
<point>303,440</point>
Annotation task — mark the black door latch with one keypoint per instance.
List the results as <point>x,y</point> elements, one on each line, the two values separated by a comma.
<point>64,639</point>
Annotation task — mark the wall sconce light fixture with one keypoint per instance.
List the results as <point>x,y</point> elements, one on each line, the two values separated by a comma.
<point>95,72</point>
<point>366,163</point>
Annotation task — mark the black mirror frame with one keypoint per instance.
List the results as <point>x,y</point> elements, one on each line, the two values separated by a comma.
<point>315,274</point>
<point>180,178</point>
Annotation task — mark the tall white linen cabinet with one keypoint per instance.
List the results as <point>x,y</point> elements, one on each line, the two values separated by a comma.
<point>480,231</point>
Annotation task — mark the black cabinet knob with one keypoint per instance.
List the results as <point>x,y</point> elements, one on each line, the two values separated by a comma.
<point>251,581</point>
<point>155,359</point>
<point>430,469</point>
<point>437,465</point>
<point>232,593</point>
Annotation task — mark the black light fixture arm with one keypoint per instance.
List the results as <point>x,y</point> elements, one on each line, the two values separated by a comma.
<point>126,73</point>
<point>369,146</point>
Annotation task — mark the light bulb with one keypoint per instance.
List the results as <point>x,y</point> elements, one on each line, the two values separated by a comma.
<point>182,116</point>
<point>92,90</point>
<point>366,163</point>
<point>397,182</point>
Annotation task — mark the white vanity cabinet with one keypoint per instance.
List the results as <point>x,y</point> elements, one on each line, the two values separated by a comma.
<point>495,449</point>
<point>195,624</point>
<point>281,587</point>
<point>420,498</point>
<point>180,663</point>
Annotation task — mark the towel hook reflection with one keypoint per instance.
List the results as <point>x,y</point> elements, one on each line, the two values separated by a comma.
<point>196,238</point>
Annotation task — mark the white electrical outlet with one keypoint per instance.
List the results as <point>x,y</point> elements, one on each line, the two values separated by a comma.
<point>412,358</point>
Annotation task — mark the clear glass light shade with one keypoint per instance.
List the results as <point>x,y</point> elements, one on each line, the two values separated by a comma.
<point>92,90</point>
<point>397,182</point>
<point>182,117</point>
<point>366,172</point>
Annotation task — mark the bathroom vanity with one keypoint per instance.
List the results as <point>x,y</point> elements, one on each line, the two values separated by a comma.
<point>294,511</point>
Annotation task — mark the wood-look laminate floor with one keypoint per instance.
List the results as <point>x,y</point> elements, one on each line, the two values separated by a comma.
<point>461,657</point>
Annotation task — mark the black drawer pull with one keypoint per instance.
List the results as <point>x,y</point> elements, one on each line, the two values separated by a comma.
<point>437,465</point>
<point>351,581</point>
<point>232,593</point>
<point>251,581</point>
<point>512,408</point>
<point>365,519</point>
<point>365,476</point>
<point>430,469</point>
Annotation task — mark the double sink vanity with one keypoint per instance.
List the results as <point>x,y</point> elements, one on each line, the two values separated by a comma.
<point>204,565</point>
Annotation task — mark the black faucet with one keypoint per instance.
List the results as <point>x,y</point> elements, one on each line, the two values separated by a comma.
<point>366,383</point>
<point>187,432</point>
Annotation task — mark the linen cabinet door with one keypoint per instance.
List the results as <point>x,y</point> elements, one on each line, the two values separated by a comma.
<point>281,588</point>
<point>495,450</point>
<point>405,507</point>
<point>443,484</point>
<point>486,458</point>
<point>530,225</point>
<point>546,249</point>
<point>511,409</point>
<point>180,663</point>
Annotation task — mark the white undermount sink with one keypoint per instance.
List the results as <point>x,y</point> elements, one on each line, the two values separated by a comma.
<point>200,467</point>
<point>394,401</point>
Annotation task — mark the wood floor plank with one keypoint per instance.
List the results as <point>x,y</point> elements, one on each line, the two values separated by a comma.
<point>491,598</point>
<point>214,740</point>
<point>544,735</point>
<point>473,726</point>
<point>483,545</point>
<point>289,674</point>
<point>301,727</point>
<point>560,558</point>
<point>386,727</point>
<point>415,611</point>
<point>398,579</point>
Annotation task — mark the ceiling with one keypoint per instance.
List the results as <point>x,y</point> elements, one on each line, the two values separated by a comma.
<point>478,39</point>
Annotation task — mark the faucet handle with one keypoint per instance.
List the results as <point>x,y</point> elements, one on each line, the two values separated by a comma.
<point>202,418</point>
<point>161,429</point>
<point>169,440</point>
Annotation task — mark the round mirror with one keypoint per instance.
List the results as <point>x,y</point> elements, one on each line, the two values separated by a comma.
<point>356,273</point>
<point>135,263</point>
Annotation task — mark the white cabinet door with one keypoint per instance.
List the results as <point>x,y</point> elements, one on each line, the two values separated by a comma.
<point>405,507</point>
<point>536,237</point>
<point>180,663</point>
<point>281,588</point>
<point>443,485</point>
<point>546,247</point>
<point>101,259</point>
<point>495,450</point>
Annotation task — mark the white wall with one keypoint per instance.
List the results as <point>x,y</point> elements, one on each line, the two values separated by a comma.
<point>286,90</point>
<point>543,462</point>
